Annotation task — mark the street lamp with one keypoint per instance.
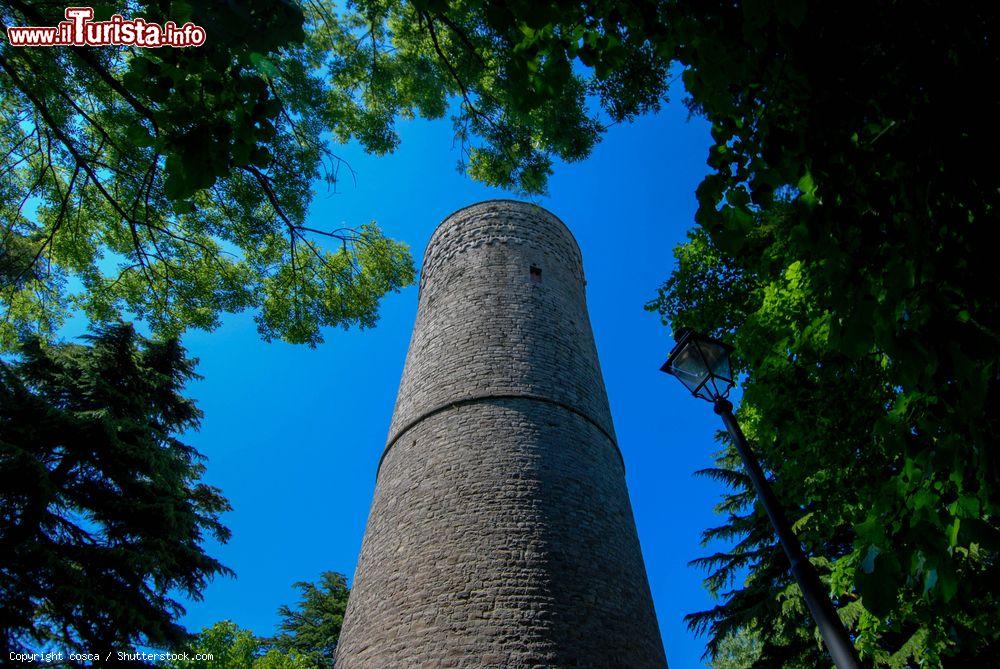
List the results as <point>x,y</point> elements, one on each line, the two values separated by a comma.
<point>702,365</point>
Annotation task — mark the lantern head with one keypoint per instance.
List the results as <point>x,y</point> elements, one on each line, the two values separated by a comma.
<point>701,363</point>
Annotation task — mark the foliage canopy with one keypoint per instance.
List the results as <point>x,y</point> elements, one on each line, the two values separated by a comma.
<point>843,248</point>
<point>231,647</point>
<point>174,184</point>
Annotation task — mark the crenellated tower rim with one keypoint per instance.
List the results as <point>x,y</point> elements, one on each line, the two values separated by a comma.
<point>493,217</point>
<point>494,203</point>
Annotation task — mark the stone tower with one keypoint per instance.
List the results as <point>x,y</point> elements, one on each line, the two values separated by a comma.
<point>501,533</point>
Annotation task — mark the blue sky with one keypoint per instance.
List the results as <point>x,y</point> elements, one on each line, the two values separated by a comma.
<point>293,435</point>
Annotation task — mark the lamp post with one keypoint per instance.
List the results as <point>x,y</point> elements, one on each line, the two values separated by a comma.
<point>702,365</point>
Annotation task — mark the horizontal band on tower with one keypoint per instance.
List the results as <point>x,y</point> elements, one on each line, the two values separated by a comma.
<point>499,396</point>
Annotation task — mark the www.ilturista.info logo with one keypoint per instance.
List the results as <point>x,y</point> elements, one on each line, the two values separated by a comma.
<point>79,29</point>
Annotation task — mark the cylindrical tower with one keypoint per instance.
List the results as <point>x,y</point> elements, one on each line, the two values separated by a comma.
<point>501,533</point>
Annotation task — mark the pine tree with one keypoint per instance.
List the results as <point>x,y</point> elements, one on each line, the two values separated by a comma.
<point>103,514</point>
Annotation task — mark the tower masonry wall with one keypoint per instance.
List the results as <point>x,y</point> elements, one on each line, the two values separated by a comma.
<point>501,534</point>
<point>485,325</point>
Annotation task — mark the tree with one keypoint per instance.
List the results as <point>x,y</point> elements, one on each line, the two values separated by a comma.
<point>307,639</point>
<point>173,184</point>
<point>849,233</point>
<point>103,513</point>
<point>224,645</point>
<point>312,629</point>
<point>737,650</point>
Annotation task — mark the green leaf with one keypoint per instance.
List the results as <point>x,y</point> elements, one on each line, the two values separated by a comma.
<point>871,531</point>
<point>807,189</point>
<point>953,532</point>
<point>263,64</point>
<point>880,588</point>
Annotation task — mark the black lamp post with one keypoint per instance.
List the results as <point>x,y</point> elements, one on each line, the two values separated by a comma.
<point>702,365</point>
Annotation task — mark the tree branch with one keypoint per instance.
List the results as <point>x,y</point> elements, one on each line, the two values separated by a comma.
<point>91,61</point>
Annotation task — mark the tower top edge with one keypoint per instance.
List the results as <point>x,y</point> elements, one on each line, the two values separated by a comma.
<point>493,203</point>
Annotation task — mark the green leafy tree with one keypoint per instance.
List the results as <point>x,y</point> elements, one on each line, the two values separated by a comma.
<point>313,628</point>
<point>173,184</point>
<point>224,645</point>
<point>307,638</point>
<point>102,514</point>
<point>508,64</point>
<point>849,234</point>
<point>739,649</point>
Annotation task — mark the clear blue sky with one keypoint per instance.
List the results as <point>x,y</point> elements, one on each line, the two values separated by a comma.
<point>293,435</point>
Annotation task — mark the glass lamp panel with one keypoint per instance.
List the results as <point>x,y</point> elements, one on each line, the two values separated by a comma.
<point>716,357</point>
<point>689,367</point>
<point>722,368</point>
